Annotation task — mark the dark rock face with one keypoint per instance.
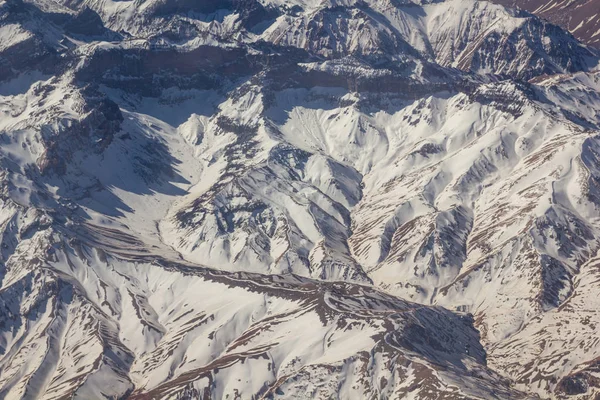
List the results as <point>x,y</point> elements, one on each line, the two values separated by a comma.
<point>582,18</point>
<point>150,71</point>
<point>93,133</point>
<point>86,22</point>
<point>564,52</point>
<point>573,385</point>
<point>32,53</point>
<point>251,12</point>
<point>185,6</point>
<point>581,382</point>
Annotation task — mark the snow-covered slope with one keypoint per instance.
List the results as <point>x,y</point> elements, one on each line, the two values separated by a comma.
<point>582,18</point>
<point>344,199</point>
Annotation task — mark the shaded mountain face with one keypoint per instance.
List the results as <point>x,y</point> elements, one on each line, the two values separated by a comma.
<point>305,199</point>
<point>581,18</point>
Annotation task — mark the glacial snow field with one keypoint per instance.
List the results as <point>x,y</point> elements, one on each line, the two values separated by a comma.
<point>306,199</point>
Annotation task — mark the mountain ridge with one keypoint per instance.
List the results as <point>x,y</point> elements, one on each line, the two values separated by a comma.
<point>341,199</point>
<point>580,18</point>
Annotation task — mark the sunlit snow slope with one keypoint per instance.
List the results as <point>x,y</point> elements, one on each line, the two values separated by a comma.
<point>310,199</point>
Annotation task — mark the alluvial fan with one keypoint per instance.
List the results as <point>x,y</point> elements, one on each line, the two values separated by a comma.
<point>257,199</point>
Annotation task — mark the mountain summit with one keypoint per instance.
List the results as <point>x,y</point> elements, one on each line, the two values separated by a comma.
<point>582,18</point>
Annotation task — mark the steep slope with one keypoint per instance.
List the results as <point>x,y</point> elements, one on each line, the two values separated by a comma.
<point>90,309</point>
<point>87,324</point>
<point>582,18</point>
<point>212,199</point>
<point>473,36</point>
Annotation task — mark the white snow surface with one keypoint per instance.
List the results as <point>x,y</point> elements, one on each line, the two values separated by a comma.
<point>300,199</point>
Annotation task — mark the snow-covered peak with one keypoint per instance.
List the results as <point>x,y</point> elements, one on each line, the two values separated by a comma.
<point>268,199</point>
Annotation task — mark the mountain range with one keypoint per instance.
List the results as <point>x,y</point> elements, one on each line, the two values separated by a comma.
<point>258,199</point>
<point>582,18</point>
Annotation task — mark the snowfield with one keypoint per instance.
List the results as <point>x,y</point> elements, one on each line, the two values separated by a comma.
<point>309,199</point>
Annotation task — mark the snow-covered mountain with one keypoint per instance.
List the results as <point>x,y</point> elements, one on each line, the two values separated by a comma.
<point>301,199</point>
<point>582,18</point>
